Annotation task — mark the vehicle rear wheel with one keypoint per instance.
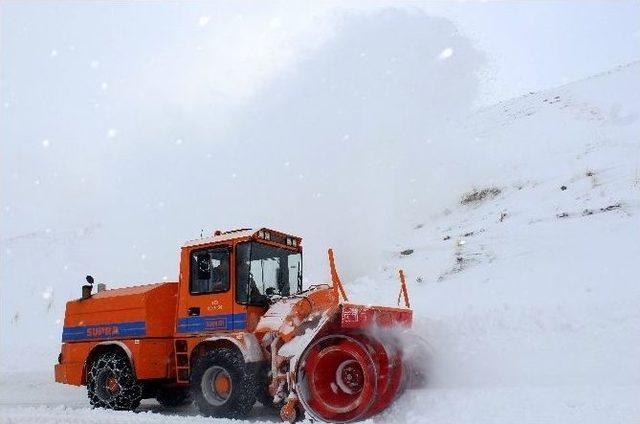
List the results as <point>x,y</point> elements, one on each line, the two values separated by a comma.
<point>112,384</point>
<point>222,385</point>
<point>172,397</point>
<point>265,398</point>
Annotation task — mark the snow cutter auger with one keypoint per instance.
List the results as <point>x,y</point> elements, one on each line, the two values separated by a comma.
<point>237,327</point>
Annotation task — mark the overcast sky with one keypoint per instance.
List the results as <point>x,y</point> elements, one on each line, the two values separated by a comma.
<point>109,108</point>
<point>529,45</point>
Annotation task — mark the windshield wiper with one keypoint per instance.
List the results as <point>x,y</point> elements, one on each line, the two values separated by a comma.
<point>299,278</point>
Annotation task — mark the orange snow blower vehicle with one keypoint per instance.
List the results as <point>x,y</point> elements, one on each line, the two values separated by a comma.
<point>238,327</point>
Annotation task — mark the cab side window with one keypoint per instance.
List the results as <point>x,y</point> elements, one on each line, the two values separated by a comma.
<point>209,271</point>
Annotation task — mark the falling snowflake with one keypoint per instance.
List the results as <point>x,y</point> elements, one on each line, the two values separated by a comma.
<point>104,86</point>
<point>446,53</point>
<point>47,293</point>
<point>45,143</point>
<point>94,64</point>
<point>54,53</point>
<point>178,142</point>
<point>203,20</point>
<point>112,133</point>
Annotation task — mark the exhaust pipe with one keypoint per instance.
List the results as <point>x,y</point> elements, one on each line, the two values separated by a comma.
<point>86,289</point>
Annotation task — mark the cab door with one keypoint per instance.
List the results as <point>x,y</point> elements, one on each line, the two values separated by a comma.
<point>247,314</point>
<point>206,296</point>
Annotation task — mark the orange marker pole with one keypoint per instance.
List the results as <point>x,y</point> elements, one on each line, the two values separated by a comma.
<point>403,290</point>
<point>335,279</point>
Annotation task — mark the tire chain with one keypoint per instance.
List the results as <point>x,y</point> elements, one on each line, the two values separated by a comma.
<point>130,393</point>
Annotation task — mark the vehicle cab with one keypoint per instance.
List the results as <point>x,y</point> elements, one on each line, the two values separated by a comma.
<point>226,280</point>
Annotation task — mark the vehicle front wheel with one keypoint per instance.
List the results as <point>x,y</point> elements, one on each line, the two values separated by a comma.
<point>112,384</point>
<point>222,385</point>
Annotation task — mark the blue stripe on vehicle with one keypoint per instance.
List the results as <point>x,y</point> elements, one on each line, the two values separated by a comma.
<point>212,323</point>
<point>115,330</point>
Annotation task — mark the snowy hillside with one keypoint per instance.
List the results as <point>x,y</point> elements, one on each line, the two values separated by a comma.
<point>529,290</point>
<point>526,286</point>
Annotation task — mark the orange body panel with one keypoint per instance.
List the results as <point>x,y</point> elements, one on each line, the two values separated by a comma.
<point>216,312</point>
<point>362,316</point>
<point>132,312</point>
<point>151,359</point>
<point>139,319</point>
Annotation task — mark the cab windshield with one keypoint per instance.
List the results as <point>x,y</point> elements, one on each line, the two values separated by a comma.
<point>264,271</point>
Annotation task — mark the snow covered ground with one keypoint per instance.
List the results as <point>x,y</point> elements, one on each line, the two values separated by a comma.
<point>527,291</point>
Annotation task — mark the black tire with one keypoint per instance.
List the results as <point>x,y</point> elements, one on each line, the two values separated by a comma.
<point>112,384</point>
<point>172,397</point>
<point>265,398</point>
<point>227,364</point>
